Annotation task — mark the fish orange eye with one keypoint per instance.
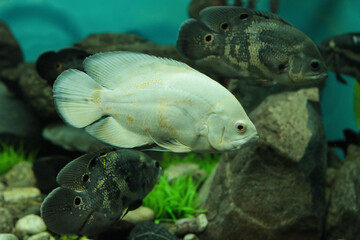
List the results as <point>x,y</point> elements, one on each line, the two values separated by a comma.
<point>243,16</point>
<point>58,66</point>
<point>224,26</point>
<point>240,127</point>
<point>208,38</point>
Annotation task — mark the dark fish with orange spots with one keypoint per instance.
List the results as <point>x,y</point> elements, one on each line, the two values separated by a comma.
<point>50,64</point>
<point>98,189</point>
<point>241,43</point>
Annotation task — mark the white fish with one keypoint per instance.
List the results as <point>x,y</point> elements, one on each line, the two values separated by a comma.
<point>130,99</point>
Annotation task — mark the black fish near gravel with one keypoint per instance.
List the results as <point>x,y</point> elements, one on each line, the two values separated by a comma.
<point>97,189</point>
<point>241,43</point>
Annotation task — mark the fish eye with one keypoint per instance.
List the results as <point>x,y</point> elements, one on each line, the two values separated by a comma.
<point>77,200</point>
<point>58,66</point>
<point>85,177</point>
<point>243,16</point>
<point>282,67</point>
<point>208,38</point>
<point>315,66</point>
<point>240,127</point>
<point>224,26</point>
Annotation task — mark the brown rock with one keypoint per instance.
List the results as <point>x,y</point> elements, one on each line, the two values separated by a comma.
<point>343,216</point>
<point>274,189</point>
<point>37,92</point>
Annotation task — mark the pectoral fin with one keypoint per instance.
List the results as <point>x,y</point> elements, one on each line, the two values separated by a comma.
<point>172,145</point>
<point>112,132</point>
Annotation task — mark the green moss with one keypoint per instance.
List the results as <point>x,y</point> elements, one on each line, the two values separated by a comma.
<point>9,156</point>
<point>357,103</point>
<point>178,199</point>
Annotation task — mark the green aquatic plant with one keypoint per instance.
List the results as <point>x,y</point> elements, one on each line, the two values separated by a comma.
<point>172,201</point>
<point>357,103</point>
<point>10,155</point>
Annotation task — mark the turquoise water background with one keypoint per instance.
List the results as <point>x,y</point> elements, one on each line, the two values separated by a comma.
<point>42,25</point>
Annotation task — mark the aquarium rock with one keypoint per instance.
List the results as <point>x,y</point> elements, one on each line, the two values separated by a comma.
<point>8,236</point>
<point>19,194</point>
<point>333,160</point>
<point>20,175</point>
<point>10,54</point>
<point>70,138</point>
<point>150,231</point>
<point>343,216</point>
<point>251,95</point>
<point>30,224</point>
<point>189,225</point>
<point>41,236</point>
<point>21,200</point>
<point>16,119</point>
<point>6,221</point>
<point>139,215</point>
<point>191,236</point>
<point>274,189</point>
<point>37,92</point>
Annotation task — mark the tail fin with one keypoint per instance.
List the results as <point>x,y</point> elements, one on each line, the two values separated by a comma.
<point>77,98</point>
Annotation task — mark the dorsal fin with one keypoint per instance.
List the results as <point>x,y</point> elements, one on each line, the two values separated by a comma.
<point>214,16</point>
<point>110,69</point>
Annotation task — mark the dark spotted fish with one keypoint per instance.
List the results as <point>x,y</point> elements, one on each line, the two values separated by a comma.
<point>342,55</point>
<point>237,42</point>
<point>97,189</point>
<point>50,64</point>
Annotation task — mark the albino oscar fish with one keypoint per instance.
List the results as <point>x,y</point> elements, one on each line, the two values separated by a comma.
<point>132,100</point>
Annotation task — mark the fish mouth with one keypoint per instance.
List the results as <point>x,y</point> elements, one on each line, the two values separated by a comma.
<point>245,141</point>
<point>317,77</point>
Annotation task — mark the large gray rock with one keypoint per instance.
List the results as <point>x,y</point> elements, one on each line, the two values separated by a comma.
<point>343,215</point>
<point>10,52</point>
<point>20,175</point>
<point>251,95</point>
<point>274,189</point>
<point>15,117</point>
